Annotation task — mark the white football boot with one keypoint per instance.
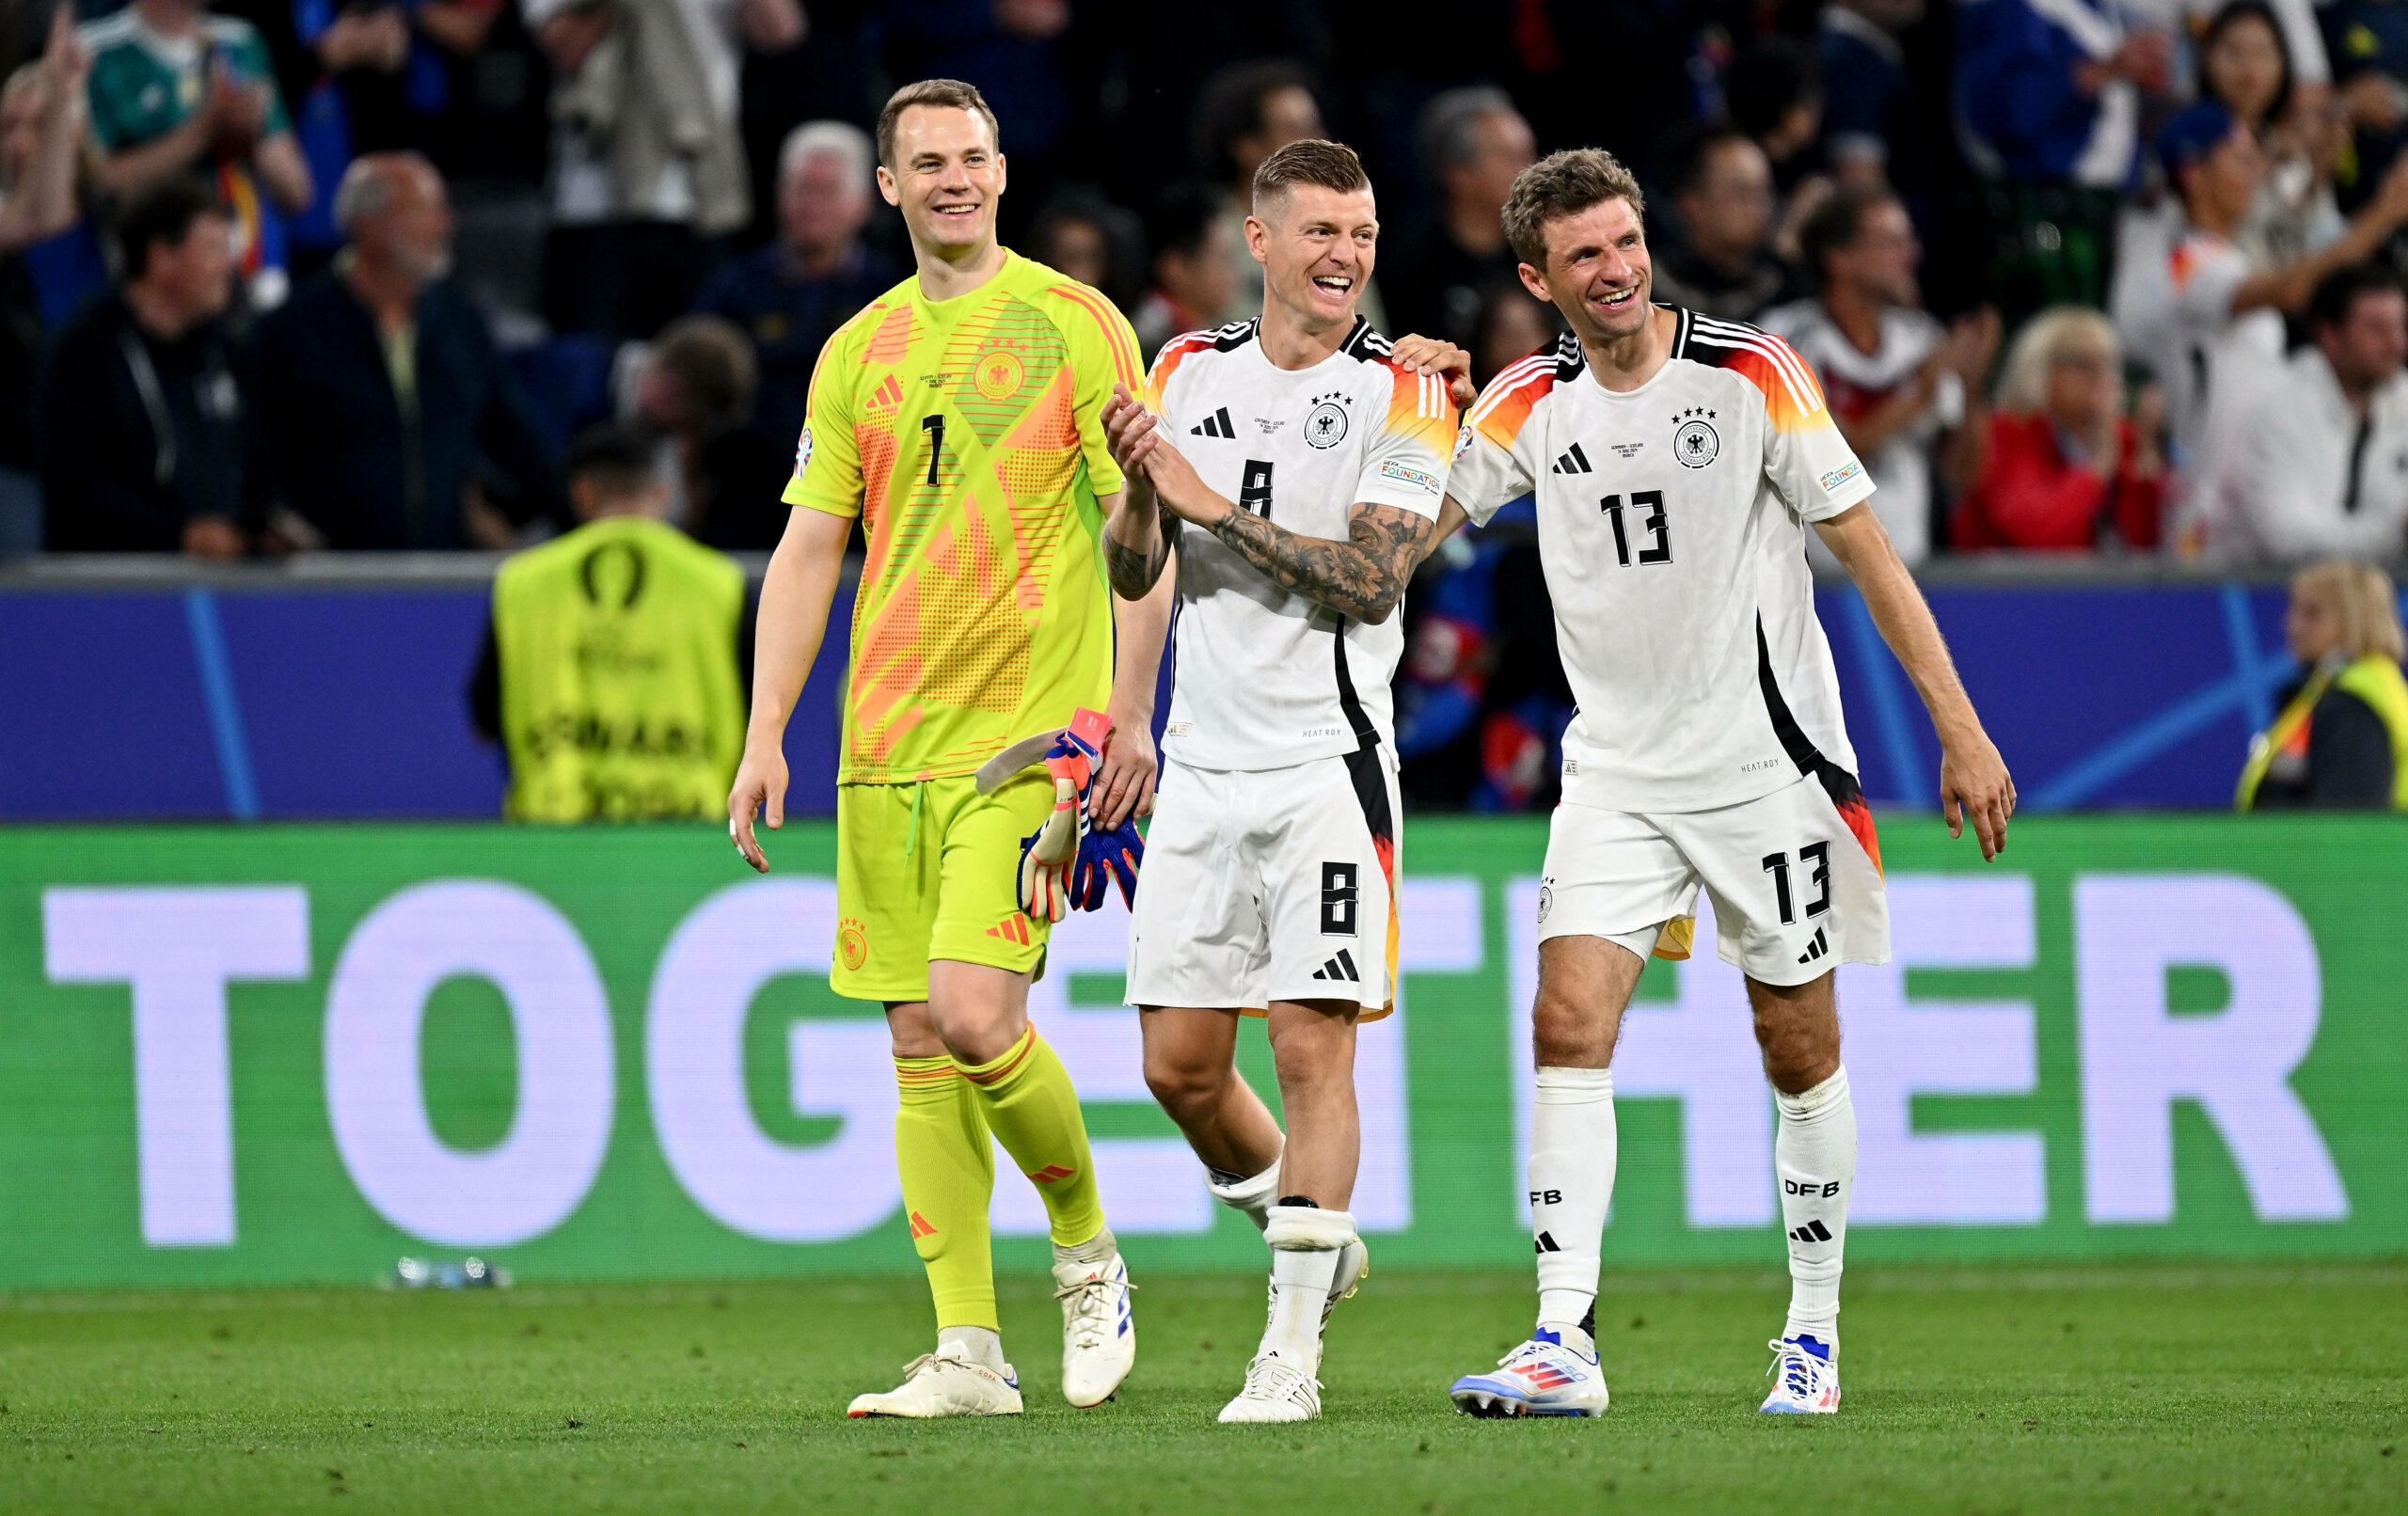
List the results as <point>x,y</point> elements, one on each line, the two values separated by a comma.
<point>946,1382</point>
<point>1275,1390</point>
<point>1805,1380</point>
<point>1099,1335</point>
<point>1544,1377</point>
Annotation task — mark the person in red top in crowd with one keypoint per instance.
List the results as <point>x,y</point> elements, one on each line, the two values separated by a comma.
<point>2062,466</point>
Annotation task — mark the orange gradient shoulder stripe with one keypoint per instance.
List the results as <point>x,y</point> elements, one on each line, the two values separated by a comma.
<point>1510,398</point>
<point>1166,363</point>
<point>1116,333</point>
<point>1793,397</point>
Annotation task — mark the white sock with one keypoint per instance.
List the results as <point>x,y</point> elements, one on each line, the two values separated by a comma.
<point>1573,1150</point>
<point>1305,1245</point>
<point>1815,1154</point>
<point>985,1343</point>
<point>1251,1196</point>
<point>1300,1285</point>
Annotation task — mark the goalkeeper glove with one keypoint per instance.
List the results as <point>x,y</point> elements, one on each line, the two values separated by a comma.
<point>1107,858</point>
<point>1048,855</point>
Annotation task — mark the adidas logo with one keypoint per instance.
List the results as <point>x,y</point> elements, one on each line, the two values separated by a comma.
<point>1052,1173</point>
<point>920,1226</point>
<point>889,393</point>
<point>1812,1232</point>
<point>1014,928</point>
<point>1575,461</point>
<point>1215,425</point>
<point>1547,1244</point>
<point>1340,967</point>
<point>1814,949</point>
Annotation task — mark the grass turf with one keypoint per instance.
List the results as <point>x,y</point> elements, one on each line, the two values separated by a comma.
<point>2139,1389</point>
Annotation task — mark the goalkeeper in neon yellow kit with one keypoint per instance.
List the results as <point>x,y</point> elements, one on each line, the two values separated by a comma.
<point>958,419</point>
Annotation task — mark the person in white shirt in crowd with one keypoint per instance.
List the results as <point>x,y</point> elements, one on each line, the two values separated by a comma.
<point>2318,464</point>
<point>2192,306</point>
<point>1897,380</point>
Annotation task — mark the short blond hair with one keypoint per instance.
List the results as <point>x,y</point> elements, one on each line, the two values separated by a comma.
<point>1331,166</point>
<point>1564,184</point>
<point>2047,339</point>
<point>952,94</point>
<point>2361,595</point>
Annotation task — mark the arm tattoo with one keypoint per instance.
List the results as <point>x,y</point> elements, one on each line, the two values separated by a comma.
<point>1363,576</point>
<point>1134,570</point>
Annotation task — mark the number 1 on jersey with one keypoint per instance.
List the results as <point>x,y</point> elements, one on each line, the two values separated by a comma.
<point>934,427</point>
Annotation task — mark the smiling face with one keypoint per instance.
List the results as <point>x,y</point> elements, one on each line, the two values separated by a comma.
<point>1597,272</point>
<point>2243,68</point>
<point>1316,246</point>
<point>946,179</point>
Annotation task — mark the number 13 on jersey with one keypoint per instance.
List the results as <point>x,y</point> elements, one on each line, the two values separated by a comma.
<point>1652,501</point>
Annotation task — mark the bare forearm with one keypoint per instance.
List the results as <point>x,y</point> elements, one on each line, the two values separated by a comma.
<point>285,173</point>
<point>1873,431</point>
<point>44,204</point>
<point>1143,624</point>
<point>1363,576</point>
<point>795,593</point>
<point>1905,621</point>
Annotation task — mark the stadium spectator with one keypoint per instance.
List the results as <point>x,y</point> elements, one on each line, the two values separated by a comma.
<point>381,396</point>
<point>1472,143</point>
<point>693,391</point>
<point>1868,127</point>
<point>1093,241</point>
<point>1510,328</point>
<point>1019,53</point>
<point>1719,258</point>
<point>2062,468</point>
<point>2246,66</point>
<point>2341,739</point>
<point>1191,287</point>
<point>614,668</point>
<point>648,167</point>
<point>2366,41</point>
<point>48,259</point>
<point>791,292</point>
<point>2050,93</point>
<point>139,418</point>
<point>2049,97</point>
<point>2190,304</point>
<point>175,90</point>
<point>2318,463</point>
<point>1245,114</point>
<point>1898,381</point>
<point>1774,93</point>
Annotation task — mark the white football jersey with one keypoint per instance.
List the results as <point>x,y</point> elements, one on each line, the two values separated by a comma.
<point>1672,533</point>
<point>1263,677</point>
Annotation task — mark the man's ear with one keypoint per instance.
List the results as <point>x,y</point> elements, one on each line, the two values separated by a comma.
<point>887,189</point>
<point>1258,239</point>
<point>1534,282</point>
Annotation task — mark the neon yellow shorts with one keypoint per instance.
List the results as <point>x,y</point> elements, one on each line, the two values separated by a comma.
<point>929,871</point>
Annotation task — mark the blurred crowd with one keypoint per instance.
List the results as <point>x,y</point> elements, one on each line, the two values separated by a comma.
<point>2091,277</point>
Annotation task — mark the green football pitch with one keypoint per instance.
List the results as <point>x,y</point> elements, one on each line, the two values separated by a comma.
<point>2139,1389</point>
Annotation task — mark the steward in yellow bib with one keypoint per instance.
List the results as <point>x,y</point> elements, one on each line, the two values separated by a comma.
<point>616,652</point>
<point>2342,741</point>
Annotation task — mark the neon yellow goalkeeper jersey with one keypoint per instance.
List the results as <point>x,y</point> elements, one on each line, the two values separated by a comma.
<point>968,434</point>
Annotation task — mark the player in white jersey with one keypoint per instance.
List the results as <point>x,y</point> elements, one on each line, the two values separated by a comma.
<point>1677,461</point>
<point>1300,465</point>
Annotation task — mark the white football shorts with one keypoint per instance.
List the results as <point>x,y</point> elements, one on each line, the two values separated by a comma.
<point>1795,877</point>
<point>1274,884</point>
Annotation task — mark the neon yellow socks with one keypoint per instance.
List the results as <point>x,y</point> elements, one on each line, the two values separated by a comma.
<point>1029,1104</point>
<point>947,1162</point>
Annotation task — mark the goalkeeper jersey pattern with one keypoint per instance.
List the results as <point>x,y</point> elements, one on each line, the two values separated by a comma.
<point>1672,533</point>
<point>1263,677</point>
<point>968,436</point>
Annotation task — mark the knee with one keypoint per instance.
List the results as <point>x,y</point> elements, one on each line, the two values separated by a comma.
<point>1186,1088</point>
<point>1798,1056</point>
<point>1566,1033</point>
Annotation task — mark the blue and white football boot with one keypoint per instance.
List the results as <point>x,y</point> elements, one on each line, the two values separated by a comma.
<point>1805,1380</point>
<point>1544,1377</point>
<point>1099,1335</point>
